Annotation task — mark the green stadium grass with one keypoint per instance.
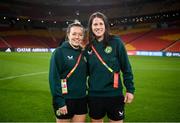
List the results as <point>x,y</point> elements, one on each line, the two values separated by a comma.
<point>25,95</point>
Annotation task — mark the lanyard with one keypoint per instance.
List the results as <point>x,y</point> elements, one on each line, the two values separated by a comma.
<point>75,66</point>
<point>116,75</point>
<point>100,58</point>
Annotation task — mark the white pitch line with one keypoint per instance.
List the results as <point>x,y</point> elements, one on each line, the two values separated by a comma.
<point>23,75</point>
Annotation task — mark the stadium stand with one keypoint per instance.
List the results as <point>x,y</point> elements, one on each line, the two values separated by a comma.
<point>42,28</point>
<point>165,39</point>
<point>154,40</point>
<point>24,41</point>
<point>30,39</point>
<point>132,34</point>
<point>175,47</point>
<point>3,44</point>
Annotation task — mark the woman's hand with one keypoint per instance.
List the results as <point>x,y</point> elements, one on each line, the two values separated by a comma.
<point>128,97</point>
<point>63,110</point>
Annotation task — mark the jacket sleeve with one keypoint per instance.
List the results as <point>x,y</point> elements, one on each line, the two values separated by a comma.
<point>55,70</point>
<point>125,67</point>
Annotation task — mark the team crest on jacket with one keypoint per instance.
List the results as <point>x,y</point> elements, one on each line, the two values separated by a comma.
<point>108,49</point>
<point>70,57</point>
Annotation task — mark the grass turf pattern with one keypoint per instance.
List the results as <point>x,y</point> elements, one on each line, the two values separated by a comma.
<point>25,95</point>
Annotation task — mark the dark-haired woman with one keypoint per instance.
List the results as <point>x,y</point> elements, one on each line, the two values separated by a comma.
<point>106,59</point>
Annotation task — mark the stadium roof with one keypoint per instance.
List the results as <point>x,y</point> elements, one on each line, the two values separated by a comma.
<point>61,10</point>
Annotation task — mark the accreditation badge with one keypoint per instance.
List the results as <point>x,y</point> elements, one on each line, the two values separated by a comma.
<point>108,49</point>
<point>64,86</point>
<point>116,80</point>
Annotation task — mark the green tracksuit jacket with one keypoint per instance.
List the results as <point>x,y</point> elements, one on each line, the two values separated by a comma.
<point>100,78</point>
<point>62,61</point>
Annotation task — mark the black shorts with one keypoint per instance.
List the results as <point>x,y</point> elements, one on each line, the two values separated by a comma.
<point>74,107</point>
<point>112,106</point>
